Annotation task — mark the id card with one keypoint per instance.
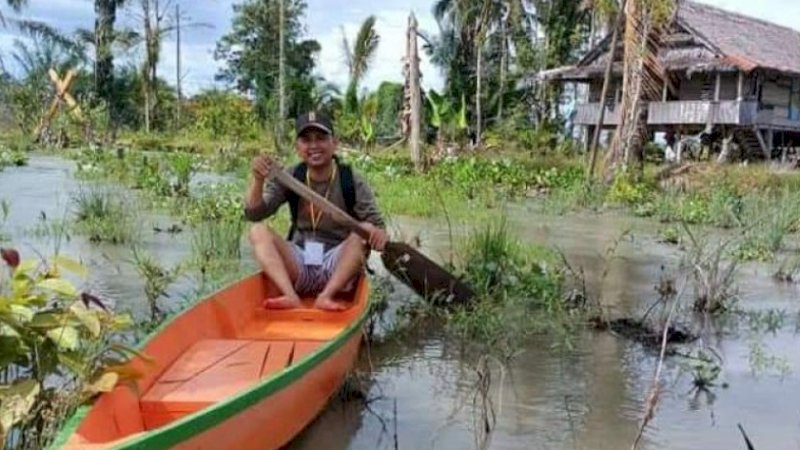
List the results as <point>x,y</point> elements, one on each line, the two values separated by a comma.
<point>313,253</point>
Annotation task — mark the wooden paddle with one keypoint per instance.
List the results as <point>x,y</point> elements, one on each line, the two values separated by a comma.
<point>410,266</point>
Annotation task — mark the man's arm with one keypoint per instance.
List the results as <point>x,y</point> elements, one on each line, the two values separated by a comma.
<point>366,208</point>
<point>259,205</point>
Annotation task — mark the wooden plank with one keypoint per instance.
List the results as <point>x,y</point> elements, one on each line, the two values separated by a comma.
<point>198,358</point>
<point>303,348</point>
<point>226,378</point>
<point>278,357</point>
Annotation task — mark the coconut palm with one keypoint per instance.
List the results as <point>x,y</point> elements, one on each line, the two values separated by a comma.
<point>358,59</point>
<point>643,79</point>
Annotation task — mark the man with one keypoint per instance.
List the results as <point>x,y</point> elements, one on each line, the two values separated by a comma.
<point>322,257</point>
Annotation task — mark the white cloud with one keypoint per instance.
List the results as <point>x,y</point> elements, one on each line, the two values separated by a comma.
<point>197,66</point>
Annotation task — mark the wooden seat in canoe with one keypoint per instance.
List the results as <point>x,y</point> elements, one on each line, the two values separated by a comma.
<point>213,370</point>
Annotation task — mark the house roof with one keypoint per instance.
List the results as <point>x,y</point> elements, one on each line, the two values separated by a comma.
<point>707,38</point>
<point>745,41</point>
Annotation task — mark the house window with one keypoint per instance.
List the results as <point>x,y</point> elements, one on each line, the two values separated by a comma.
<point>794,100</point>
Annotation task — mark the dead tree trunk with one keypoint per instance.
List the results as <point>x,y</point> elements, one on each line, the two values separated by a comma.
<point>414,96</point>
<point>478,117</point>
<point>281,70</point>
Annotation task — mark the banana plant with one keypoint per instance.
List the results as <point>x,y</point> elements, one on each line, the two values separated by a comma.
<point>448,119</point>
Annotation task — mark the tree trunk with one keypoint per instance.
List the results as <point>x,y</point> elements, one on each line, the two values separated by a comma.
<point>503,69</point>
<point>604,92</point>
<point>641,40</point>
<point>148,38</point>
<point>725,154</point>
<point>178,64</point>
<point>106,13</point>
<point>281,69</point>
<point>415,96</point>
<point>478,117</point>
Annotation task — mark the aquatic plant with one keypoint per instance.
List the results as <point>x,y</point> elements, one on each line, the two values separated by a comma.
<point>157,279</point>
<point>521,291</point>
<point>103,216</point>
<point>714,276</point>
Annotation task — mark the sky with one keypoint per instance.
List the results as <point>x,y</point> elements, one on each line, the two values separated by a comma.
<point>324,19</point>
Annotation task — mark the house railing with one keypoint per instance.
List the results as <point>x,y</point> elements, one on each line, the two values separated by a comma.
<point>770,118</point>
<point>588,113</point>
<point>729,112</point>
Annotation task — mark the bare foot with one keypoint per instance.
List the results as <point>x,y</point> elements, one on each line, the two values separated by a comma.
<point>329,304</point>
<point>282,302</point>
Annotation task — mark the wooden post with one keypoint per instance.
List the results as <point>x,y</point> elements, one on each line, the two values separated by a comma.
<point>62,94</point>
<point>725,154</point>
<point>281,70</point>
<point>740,87</point>
<point>664,90</point>
<point>770,143</point>
<point>415,95</point>
<point>178,64</point>
<point>717,85</point>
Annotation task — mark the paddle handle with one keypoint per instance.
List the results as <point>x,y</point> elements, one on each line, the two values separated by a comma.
<point>319,201</point>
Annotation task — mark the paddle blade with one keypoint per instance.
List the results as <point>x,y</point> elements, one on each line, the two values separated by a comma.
<point>424,276</point>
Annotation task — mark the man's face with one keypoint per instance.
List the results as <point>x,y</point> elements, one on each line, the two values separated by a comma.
<point>316,147</point>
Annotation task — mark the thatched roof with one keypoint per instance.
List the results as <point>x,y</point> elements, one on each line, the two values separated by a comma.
<point>706,38</point>
<point>747,42</point>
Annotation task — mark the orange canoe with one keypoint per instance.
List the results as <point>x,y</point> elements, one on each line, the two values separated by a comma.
<point>227,374</point>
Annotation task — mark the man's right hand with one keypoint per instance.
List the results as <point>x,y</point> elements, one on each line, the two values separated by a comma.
<point>260,167</point>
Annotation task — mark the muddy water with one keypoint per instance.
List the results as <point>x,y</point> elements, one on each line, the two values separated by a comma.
<point>423,392</point>
<point>42,193</point>
<point>421,389</point>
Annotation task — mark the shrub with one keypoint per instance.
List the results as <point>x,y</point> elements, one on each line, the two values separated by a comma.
<point>57,348</point>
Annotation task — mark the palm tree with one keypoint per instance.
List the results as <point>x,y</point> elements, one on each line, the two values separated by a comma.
<point>358,58</point>
<point>643,79</point>
<point>16,6</point>
<point>104,37</point>
<point>468,24</point>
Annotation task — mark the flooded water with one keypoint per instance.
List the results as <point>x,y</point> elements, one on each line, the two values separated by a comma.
<point>421,389</point>
<point>42,193</point>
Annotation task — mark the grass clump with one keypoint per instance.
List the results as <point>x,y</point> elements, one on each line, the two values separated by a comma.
<point>520,292</point>
<point>103,216</point>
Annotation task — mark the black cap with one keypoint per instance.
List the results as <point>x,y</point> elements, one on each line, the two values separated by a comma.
<point>314,119</point>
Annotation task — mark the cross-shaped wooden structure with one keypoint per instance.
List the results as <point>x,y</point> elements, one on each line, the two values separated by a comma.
<point>62,95</point>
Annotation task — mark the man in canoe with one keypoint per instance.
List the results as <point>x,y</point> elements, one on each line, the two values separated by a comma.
<point>321,257</point>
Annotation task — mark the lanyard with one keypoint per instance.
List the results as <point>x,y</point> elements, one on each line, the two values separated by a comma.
<point>316,218</point>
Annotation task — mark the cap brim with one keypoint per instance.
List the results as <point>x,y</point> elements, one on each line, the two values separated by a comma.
<point>314,125</point>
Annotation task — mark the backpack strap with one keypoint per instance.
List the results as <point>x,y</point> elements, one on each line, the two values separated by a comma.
<point>293,199</point>
<point>345,181</point>
<point>348,188</point>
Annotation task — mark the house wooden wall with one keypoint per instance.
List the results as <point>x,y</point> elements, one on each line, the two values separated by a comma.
<point>775,94</point>
<point>701,87</point>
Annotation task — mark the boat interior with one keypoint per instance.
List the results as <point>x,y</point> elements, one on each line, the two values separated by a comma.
<point>222,346</point>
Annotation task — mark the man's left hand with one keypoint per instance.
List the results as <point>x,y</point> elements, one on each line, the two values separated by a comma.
<point>377,236</point>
